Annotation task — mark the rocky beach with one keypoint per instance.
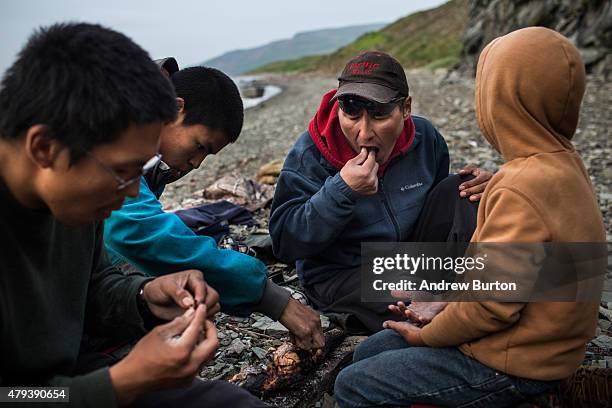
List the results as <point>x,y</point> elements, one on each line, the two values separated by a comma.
<point>447,100</point>
<point>271,128</point>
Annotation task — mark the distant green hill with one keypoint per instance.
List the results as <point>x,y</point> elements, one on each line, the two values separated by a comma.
<point>302,44</point>
<point>431,38</point>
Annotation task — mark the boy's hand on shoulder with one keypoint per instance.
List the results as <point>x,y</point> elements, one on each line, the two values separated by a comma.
<point>474,188</point>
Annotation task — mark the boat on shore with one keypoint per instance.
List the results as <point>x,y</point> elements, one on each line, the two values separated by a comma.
<point>254,90</point>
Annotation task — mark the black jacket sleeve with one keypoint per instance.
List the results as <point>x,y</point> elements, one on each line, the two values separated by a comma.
<point>112,307</point>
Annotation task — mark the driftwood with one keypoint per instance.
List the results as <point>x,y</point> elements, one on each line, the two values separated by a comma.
<point>588,387</point>
<point>318,382</point>
<point>287,366</point>
<point>268,173</point>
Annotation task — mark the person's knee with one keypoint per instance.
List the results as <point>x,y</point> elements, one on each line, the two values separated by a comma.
<point>366,349</point>
<point>345,387</point>
<point>382,341</point>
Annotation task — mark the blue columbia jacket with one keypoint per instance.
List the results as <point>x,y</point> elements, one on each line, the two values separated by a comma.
<point>158,243</point>
<point>319,222</point>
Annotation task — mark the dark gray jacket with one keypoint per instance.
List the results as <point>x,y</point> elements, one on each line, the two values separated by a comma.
<point>55,285</point>
<point>318,222</point>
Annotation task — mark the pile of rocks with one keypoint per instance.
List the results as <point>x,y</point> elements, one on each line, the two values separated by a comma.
<point>586,23</point>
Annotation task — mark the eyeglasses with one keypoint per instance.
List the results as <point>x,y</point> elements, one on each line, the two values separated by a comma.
<point>353,107</point>
<point>148,166</point>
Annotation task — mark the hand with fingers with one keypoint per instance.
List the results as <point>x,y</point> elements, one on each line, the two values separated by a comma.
<point>419,313</point>
<point>304,325</point>
<point>475,187</point>
<point>410,332</point>
<point>361,173</point>
<point>169,296</point>
<point>169,356</point>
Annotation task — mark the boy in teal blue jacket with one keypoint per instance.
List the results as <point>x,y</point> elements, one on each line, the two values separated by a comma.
<point>210,116</point>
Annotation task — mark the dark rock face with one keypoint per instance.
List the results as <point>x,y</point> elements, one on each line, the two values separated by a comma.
<point>587,23</point>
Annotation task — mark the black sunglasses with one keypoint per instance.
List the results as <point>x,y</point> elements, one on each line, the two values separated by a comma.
<point>353,107</point>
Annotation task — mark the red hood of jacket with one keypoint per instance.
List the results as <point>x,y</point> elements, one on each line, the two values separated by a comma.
<point>325,131</point>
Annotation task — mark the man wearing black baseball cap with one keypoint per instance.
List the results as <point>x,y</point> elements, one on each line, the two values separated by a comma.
<point>375,76</point>
<point>365,171</point>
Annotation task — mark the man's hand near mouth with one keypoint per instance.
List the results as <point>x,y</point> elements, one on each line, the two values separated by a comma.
<point>372,149</point>
<point>361,172</point>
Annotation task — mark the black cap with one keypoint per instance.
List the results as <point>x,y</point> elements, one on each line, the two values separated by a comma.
<point>168,65</point>
<point>373,75</point>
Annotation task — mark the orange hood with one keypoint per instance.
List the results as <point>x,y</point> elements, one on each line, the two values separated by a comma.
<point>525,109</point>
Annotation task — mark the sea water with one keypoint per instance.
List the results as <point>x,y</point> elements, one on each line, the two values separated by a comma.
<point>269,90</point>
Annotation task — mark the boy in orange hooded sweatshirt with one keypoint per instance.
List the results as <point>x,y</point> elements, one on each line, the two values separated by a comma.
<point>529,87</point>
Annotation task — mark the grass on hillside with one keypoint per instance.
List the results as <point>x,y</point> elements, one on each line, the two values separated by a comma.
<point>431,38</point>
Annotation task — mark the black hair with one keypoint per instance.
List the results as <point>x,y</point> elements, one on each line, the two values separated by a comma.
<point>86,84</point>
<point>211,99</point>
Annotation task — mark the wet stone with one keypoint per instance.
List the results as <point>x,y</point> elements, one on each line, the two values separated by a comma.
<point>236,347</point>
<point>259,352</point>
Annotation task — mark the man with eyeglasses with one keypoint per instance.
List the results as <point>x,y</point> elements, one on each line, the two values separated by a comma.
<point>122,183</point>
<point>81,111</point>
<point>366,170</point>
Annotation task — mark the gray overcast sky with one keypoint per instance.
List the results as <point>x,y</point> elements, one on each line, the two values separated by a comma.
<point>196,30</point>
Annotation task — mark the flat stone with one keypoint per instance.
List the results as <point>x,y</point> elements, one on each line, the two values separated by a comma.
<point>599,363</point>
<point>605,196</point>
<point>270,326</point>
<point>461,133</point>
<point>236,347</point>
<point>259,352</point>
<point>607,313</point>
<point>277,327</point>
<point>603,341</point>
<point>262,322</point>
